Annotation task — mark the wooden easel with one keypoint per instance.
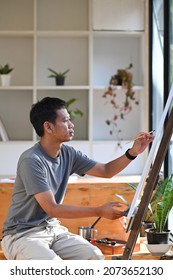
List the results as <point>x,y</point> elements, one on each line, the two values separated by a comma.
<point>151,182</point>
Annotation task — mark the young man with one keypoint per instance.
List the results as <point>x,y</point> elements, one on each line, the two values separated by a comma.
<point>32,229</point>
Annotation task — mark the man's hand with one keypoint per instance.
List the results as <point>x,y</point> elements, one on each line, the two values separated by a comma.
<point>141,142</point>
<point>109,211</point>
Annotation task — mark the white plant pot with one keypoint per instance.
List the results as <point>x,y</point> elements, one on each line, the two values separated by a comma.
<point>5,80</point>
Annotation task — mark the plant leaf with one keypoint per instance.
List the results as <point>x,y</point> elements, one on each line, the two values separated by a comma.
<point>165,205</point>
<point>133,186</point>
<point>70,101</point>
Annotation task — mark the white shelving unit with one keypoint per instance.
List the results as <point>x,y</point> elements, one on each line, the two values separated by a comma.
<point>90,39</point>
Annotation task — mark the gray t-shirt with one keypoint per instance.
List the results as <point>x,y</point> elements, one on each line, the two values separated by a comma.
<point>38,172</point>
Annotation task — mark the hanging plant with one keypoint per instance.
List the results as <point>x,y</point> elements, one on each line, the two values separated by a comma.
<point>123,78</point>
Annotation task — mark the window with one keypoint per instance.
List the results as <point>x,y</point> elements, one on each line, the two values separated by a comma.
<point>161,69</point>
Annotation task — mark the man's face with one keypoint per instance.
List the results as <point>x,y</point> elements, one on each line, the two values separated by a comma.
<point>63,128</point>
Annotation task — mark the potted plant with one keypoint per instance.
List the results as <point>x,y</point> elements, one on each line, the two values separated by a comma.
<point>158,237</point>
<point>59,76</point>
<point>123,78</point>
<point>5,73</point>
<point>158,234</point>
<point>156,197</point>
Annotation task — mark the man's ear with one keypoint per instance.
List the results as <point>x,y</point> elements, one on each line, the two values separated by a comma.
<point>47,126</point>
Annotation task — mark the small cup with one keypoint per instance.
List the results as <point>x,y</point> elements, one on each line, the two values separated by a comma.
<point>87,232</point>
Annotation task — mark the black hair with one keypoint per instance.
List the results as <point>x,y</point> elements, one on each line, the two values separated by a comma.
<point>45,110</point>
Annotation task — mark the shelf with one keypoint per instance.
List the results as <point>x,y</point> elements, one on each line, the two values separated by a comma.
<point>118,33</point>
<point>70,87</point>
<point>15,115</point>
<point>44,34</point>
<point>19,33</point>
<point>64,53</point>
<point>59,11</point>
<point>129,15</point>
<point>67,34</point>
<point>18,52</point>
<point>19,13</point>
<point>11,88</point>
<point>60,33</point>
<point>119,88</point>
<point>120,52</point>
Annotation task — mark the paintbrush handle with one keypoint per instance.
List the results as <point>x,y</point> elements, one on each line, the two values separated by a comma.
<point>150,132</point>
<point>95,222</point>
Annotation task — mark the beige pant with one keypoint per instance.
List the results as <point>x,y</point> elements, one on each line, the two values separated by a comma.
<point>49,243</point>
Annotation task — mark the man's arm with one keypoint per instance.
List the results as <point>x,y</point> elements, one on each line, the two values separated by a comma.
<point>113,167</point>
<point>47,202</point>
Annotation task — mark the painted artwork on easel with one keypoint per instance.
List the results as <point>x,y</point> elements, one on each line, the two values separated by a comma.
<point>3,133</point>
<point>150,159</point>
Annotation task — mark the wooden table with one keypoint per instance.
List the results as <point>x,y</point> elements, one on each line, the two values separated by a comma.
<point>86,191</point>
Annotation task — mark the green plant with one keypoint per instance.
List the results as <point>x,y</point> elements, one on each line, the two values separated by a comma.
<point>160,205</point>
<point>57,74</point>
<point>156,198</point>
<point>164,206</point>
<point>73,112</point>
<point>4,70</point>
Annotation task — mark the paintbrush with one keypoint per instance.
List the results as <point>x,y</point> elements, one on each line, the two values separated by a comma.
<point>95,222</point>
<point>150,132</point>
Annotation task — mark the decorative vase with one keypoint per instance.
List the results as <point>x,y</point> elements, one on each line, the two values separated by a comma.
<point>5,80</point>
